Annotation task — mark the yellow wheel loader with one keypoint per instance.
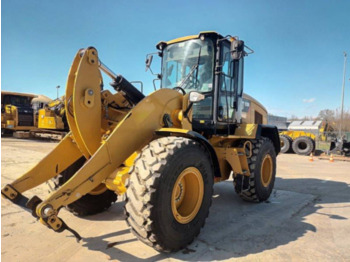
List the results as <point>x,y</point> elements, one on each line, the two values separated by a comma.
<point>163,151</point>
<point>303,142</point>
<point>299,142</point>
<point>16,112</point>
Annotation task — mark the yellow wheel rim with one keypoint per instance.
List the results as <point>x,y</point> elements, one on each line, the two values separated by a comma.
<point>266,170</point>
<point>101,188</point>
<point>187,195</point>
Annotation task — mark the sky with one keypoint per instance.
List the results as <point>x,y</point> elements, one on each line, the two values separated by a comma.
<point>296,69</point>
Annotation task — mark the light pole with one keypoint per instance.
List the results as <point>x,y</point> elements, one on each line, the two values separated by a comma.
<point>342,98</point>
<point>58,87</point>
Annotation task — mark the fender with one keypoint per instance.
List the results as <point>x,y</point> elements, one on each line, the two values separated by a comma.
<point>197,137</point>
<point>270,132</point>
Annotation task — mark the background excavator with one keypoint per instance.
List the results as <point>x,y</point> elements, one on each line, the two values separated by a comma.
<point>163,151</point>
<point>53,116</point>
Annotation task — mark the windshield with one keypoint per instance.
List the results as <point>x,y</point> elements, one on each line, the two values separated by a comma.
<point>189,65</point>
<point>17,100</point>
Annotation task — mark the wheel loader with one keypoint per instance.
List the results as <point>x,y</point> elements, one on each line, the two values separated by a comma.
<point>163,151</point>
<point>301,136</point>
<point>16,112</point>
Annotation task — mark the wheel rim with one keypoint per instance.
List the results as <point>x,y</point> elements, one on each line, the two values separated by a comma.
<point>266,170</point>
<point>282,143</point>
<point>187,195</point>
<point>101,188</point>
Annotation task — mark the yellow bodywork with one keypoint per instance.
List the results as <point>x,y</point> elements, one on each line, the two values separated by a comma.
<point>47,119</point>
<point>295,134</point>
<point>52,114</point>
<point>253,111</point>
<point>110,139</point>
<point>323,132</point>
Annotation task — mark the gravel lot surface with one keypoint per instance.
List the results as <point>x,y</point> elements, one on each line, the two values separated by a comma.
<point>307,218</point>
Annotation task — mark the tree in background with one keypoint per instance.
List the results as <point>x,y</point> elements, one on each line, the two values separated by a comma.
<point>327,115</point>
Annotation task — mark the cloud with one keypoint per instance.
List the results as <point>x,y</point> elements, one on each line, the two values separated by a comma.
<point>309,100</point>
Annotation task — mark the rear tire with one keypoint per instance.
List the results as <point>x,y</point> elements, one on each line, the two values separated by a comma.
<point>89,204</point>
<point>303,145</point>
<point>286,143</point>
<point>159,204</point>
<point>262,165</point>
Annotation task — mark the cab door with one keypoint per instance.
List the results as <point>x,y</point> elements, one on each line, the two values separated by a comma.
<point>230,90</point>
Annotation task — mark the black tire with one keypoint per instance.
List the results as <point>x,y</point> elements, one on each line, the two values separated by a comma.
<point>6,132</point>
<point>88,204</point>
<point>303,145</point>
<point>252,188</point>
<point>286,143</point>
<point>149,192</point>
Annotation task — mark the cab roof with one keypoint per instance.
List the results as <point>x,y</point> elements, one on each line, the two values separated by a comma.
<point>184,38</point>
<point>17,94</point>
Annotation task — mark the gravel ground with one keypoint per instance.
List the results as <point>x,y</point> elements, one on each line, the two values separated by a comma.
<point>307,218</point>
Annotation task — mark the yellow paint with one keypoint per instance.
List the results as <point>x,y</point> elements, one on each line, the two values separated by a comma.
<point>111,139</point>
<point>9,192</point>
<point>266,170</point>
<point>173,130</point>
<point>101,188</point>
<point>255,108</point>
<point>10,123</point>
<point>176,118</point>
<point>245,131</point>
<point>61,157</point>
<point>47,119</point>
<point>232,159</point>
<point>181,39</point>
<point>180,116</point>
<point>296,134</point>
<point>69,104</point>
<point>129,136</point>
<point>116,181</point>
<point>88,118</point>
<point>54,222</point>
<point>187,195</point>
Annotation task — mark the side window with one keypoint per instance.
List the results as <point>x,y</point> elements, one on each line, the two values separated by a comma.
<point>246,105</point>
<point>226,69</point>
<point>226,94</point>
<point>171,74</point>
<point>240,77</point>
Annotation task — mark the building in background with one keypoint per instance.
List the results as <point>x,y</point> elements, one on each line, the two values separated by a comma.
<point>279,121</point>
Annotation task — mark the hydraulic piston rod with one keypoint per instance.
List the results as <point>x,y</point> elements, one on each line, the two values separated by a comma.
<point>120,84</point>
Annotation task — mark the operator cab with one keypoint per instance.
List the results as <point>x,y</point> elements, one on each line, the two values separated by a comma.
<point>211,65</point>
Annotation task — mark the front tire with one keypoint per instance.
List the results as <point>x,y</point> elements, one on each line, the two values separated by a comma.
<point>262,165</point>
<point>169,193</point>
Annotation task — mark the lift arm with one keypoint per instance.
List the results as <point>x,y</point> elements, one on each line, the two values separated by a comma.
<point>104,151</point>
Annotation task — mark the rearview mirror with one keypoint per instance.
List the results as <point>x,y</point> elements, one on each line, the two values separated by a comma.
<point>237,49</point>
<point>148,62</point>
